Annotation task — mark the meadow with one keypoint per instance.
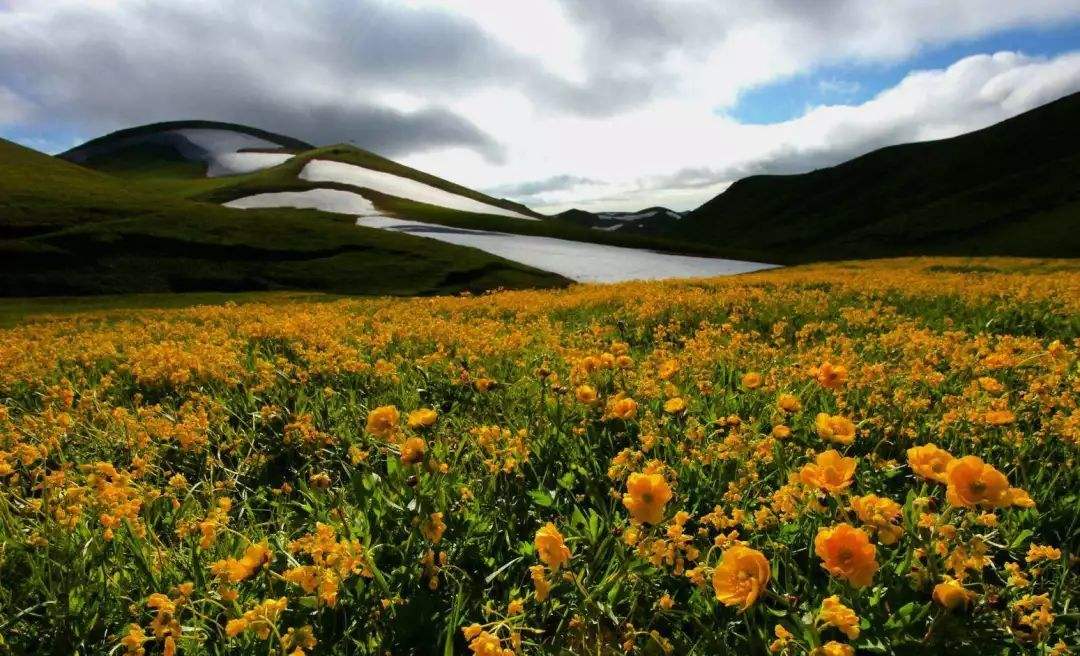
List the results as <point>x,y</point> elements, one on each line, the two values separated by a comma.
<point>875,457</point>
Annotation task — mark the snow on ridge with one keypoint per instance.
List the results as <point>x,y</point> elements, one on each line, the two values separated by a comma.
<point>580,261</point>
<point>327,200</point>
<point>222,151</point>
<point>322,170</point>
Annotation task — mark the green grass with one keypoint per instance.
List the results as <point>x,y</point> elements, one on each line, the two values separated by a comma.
<point>68,230</point>
<point>1010,189</point>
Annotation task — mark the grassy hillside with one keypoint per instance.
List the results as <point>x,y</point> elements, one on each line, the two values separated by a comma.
<point>69,230</point>
<point>1010,189</point>
<point>154,170</point>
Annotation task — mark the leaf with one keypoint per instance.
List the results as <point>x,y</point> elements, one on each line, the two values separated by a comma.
<point>491,577</point>
<point>1019,539</point>
<point>541,498</point>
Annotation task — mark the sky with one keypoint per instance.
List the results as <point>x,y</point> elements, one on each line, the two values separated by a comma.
<point>596,104</point>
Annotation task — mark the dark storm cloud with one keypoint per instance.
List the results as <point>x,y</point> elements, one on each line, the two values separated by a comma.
<point>536,187</point>
<point>305,70</point>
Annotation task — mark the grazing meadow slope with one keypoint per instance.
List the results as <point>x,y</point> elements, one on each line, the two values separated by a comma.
<point>69,230</point>
<point>877,456</point>
<point>1009,189</point>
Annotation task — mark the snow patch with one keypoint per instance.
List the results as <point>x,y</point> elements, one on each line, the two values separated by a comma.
<point>321,170</point>
<point>221,151</point>
<point>327,200</point>
<point>579,261</point>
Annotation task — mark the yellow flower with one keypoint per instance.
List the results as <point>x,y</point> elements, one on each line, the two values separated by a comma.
<point>834,428</point>
<point>952,594</point>
<point>789,403</point>
<point>551,547</point>
<point>422,418</point>
<point>1038,552</point>
<point>586,394</point>
<point>383,421</point>
<point>486,644</point>
<point>751,380</point>
<point>973,483</point>
<point>540,582</point>
<point>780,432</point>
<point>675,405</point>
<point>829,375</point>
<point>740,577</point>
<point>830,471</point>
<point>846,552</point>
<point>133,641</point>
<point>1020,498</point>
<point>235,570</point>
<point>413,451</point>
<point>999,417</point>
<point>879,513</point>
<point>930,462</point>
<point>645,498</point>
<point>833,648</point>
<point>834,613</point>
<point>622,407</point>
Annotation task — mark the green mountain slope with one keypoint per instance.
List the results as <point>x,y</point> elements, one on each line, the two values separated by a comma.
<point>152,168</point>
<point>65,229</point>
<point>1009,189</point>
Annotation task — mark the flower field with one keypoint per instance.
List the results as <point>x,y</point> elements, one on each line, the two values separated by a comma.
<point>875,457</point>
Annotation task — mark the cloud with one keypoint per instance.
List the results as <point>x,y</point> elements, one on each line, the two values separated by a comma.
<point>307,71</point>
<point>13,109</point>
<point>535,187</point>
<point>542,99</point>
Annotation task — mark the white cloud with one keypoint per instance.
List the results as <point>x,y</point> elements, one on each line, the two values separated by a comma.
<point>616,102</point>
<point>677,155</point>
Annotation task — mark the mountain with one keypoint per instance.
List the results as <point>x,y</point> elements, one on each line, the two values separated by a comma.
<point>205,150</point>
<point>650,220</point>
<point>246,167</point>
<point>1010,189</point>
<point>69,230</point>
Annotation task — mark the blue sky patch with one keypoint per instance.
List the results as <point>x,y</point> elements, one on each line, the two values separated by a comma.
<point>854,83</point>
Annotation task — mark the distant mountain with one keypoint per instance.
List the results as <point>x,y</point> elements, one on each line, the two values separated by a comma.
<point>1009,189</point>
<point>649,220</point>
<point>163,153</point>
<point>69,230</point>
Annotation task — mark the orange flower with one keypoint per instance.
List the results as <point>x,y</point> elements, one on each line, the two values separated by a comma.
<point>383,421</point>
<point>235,570</point>
<point>622,407</point>
<point>551,547</point>
<point>751,380</point>
<point>645,498</point>
<point>586,394</point>
<point>1020,498</point>
<point>834,613</point>
<point>789,403</point>
<point>829,375</point>
<point>834,428</point>
<point>422,418</point>
<point>740,577</point>
<point>675,406</point>
<point>833,648</point>
<point>973,483</point>
<point>846,552</point>
<point>999,417</point>
<point>830,471</point>
<point>930,462</point>
<point>413,450</point>
<point>879,513</point>
<point>952,594</point>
